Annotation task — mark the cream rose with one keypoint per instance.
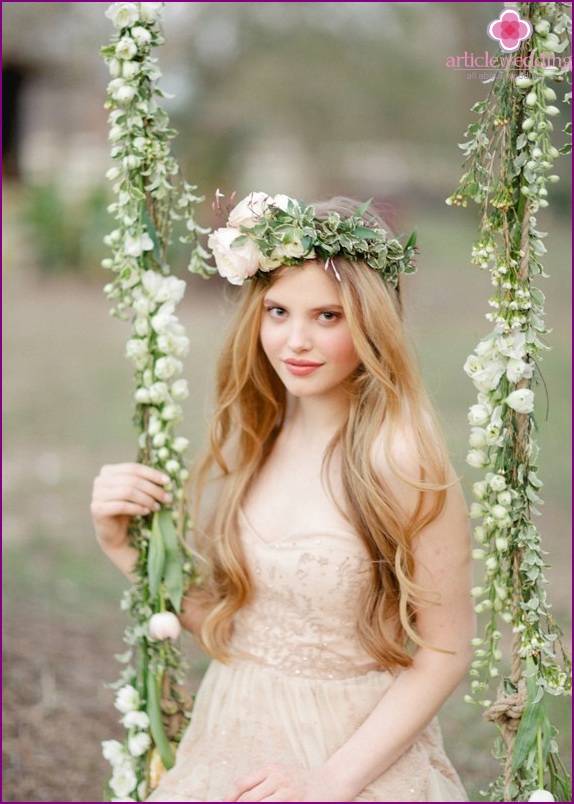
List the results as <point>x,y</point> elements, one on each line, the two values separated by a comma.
<point>164,624</point>
<point>522,401</point>
<point>234,264</point>
<point>247,212</point>
<point>123,15</point>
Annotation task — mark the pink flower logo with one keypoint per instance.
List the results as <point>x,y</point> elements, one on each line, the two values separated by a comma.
<point>510,30</point>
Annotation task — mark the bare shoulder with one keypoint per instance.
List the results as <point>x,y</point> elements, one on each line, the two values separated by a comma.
<point>399,464</point>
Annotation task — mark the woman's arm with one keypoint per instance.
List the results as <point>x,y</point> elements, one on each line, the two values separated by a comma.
<point>442,565</point>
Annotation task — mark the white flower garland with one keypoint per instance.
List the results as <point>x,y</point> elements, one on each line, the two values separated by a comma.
<point>515,129</point>
<point>150,198</point>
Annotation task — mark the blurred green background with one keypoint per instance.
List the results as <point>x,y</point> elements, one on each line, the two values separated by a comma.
<point>308,99</point>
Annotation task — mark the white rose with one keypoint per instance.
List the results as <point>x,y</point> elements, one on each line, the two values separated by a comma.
<point>127,699</point>
<point>269,263</point>
<point>522,401</point>
<point>180,390</point>
<point>171,412</point>
<point>541,795</point>
<point>140,35</point>
<point>126,48</point>
<point>235,264</point>
<point>130,69</point>
<point>497,483</point>
<point>505,498</point>
<point>291,248</point>
<point>115,68</point>
<point>123,781</point>
<point>123,15</point>
<point>165,624</point>
<point>138,744</point>
<point>282,201</point>
<point>518,369</point>
<point>488,378</point>
<point>478,415</point>
<point>477,459</point>
<point>142,396</point>
<point>180,444</point>
<point>479,489</point>
<point>171,344</point>
<point>513,345</point>
<point>151,282</point>
<point>249,210</point>
<point>124,94</point>
<point>166,367</point>
<point>151,11</point>
<point>137,351</point>
<point>477,438</point>
<point>172,466</point>
<point>135,720</point>
<point>158,393</point>
<point>135,246</point>
<point>170,290</point>
<point>113,751</point>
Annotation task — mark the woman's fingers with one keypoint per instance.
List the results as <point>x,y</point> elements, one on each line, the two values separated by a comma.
<point>132,483</point>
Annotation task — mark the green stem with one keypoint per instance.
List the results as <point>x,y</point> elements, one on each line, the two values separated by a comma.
<point>540,759</point>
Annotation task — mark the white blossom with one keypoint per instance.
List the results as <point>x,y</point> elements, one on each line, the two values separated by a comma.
<point>127,699</point>
<point>180,390</point>
<point>164,625</point>
<point>140,35</point>
<point>522,400</point>
<point>150,12</point>
<point>135,246</point>
<point>234,264</point>
<point>166,367</point>
<point>138,743</point>
<point>123,15</point>
<point>126,48</point>
<point>541,795</point>
<point>124,780</point>
<point>478,415</point>
<point>113,751</point>
<point>136,719</point>
<point>249,210</point>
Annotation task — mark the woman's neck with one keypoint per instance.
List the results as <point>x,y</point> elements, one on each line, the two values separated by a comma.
<point>317,418</point>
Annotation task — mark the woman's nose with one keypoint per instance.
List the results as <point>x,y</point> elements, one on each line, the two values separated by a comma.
<point>299,337</point>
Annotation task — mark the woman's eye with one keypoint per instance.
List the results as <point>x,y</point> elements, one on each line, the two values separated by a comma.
<point>276,312</point>
<point>327,315</point>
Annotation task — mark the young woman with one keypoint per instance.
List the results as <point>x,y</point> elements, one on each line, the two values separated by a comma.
<point>336,606</point>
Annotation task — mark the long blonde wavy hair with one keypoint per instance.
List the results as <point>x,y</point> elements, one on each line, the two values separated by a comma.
<point>386,390</point>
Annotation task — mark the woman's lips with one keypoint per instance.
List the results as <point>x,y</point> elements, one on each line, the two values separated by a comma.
<point>300,368</point>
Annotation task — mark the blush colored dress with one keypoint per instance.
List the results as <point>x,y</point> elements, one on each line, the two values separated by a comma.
<point>302,683</point>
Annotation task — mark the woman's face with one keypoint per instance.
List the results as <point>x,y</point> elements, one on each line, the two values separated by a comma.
<point>305,334</point>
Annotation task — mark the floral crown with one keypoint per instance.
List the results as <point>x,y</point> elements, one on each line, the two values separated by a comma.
<point>264,232</point>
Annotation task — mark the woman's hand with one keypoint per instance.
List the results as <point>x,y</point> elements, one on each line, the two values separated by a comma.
<point>286,783</point>
<point>122,491</point>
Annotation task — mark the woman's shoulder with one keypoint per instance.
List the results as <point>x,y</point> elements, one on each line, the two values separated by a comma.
<point>400,459</point>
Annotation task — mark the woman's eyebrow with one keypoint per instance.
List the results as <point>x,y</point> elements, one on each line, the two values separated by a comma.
<point>320,308</point>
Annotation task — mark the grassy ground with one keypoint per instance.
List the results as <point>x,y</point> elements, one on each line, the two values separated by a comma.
<point>68,410</point>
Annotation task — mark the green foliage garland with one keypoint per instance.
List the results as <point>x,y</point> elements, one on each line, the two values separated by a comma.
<point>150,197</point>
<point>510,155</point>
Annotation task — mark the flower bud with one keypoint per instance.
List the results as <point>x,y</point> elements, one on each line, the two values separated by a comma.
<point>553,111</point>
<point>541,795</point>
<point>523,82</point>
<point>164,625</point>
<point>531,99</point>
<point>542,27</point>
